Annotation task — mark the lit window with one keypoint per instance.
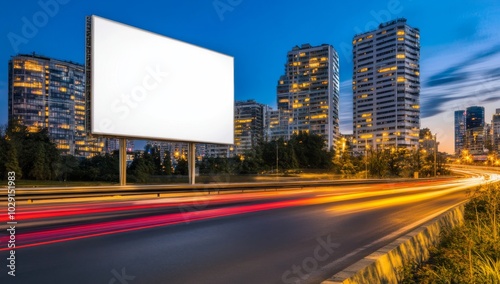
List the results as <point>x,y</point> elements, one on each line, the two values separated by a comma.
<point>318,116</point>
<point>386,69</point>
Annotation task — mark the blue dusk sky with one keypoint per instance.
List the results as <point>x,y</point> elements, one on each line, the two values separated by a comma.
<point>460,42</point>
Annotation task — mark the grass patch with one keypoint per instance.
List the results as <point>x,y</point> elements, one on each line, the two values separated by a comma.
<point>469,253</point>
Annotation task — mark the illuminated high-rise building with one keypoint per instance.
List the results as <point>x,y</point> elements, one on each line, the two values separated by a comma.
<point>276,125</point>
<point>386,87</point>
<point>249,124</point>
<point>308,93</point>
<point>459,131</point>
<point>495,124</point>
<point>50,93</point>
<point>474,130</point>
<point>113,144</point>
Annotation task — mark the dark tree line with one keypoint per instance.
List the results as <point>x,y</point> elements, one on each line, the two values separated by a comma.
<point>29,155</point>
<point>153,163</point>
<point>34,156</point>
<point>302,151</point>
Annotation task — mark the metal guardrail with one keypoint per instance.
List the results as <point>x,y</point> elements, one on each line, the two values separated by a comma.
<point>44,193</point>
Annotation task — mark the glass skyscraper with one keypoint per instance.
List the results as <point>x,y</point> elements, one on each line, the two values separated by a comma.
<point>249,124</point>
<point>459,131</point>
<point>474,130</point>
<point>495,124</point>
<point>50,93</point>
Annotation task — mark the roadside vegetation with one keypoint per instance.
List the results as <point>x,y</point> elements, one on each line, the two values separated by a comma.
<point>469,253</point>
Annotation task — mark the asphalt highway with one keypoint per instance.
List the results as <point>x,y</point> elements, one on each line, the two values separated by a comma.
<point>285,236</point>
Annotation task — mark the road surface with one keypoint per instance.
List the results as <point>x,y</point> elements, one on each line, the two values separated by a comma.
<point>285,236</point>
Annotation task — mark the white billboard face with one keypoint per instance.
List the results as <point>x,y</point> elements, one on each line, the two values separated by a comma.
<point>145,85</point>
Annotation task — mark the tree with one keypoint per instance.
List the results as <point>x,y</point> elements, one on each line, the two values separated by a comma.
<point>377,163</point>
<point>156,160</point>
<point>39,170</point>
<point>345,164</point>
<point>251,161</point>
<point>167,163</point>
<point>141,168</point>
<point>182,167</point>
<point>310,151</point>
<point>37,156</point>
<point>68,164</point>
<point>11,164</point>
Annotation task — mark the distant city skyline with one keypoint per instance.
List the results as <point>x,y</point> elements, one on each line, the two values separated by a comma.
<point>460,49</point>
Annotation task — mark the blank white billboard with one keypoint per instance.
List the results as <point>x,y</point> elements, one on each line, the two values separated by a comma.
<point>144,85</point>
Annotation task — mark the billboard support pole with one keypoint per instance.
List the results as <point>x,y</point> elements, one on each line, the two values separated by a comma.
<point>191,163</point>
<point>123,161</point>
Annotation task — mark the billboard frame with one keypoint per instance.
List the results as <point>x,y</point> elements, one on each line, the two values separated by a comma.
<point>90,103</point>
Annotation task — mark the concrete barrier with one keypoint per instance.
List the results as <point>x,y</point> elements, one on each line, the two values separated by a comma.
<point>383,266</point>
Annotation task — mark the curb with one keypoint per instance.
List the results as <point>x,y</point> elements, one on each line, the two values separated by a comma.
<point>383,265</point>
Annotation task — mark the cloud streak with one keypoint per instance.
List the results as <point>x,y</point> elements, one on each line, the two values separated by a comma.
<point>464,83</point>
<point>459,77</point>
